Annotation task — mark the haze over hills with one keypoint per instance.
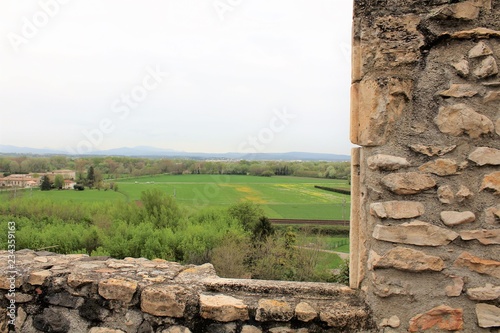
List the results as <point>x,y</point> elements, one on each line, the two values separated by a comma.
<point>147,151</point>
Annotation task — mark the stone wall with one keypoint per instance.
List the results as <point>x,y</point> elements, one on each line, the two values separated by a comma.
<point>425,107</point>
<point>80,294</point>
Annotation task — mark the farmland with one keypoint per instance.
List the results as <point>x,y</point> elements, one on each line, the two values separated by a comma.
<point>279,197</point>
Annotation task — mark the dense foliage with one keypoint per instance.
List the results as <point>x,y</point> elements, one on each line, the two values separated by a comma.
<point>239,241</point>
<point>92,170</point>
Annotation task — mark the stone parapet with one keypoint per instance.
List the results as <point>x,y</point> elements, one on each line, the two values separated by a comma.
<point>77,293</point>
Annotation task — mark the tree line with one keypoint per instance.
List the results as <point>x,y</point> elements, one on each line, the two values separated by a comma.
<point>119,167</point>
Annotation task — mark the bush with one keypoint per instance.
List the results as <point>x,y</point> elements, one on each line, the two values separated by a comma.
<point>267,173</point>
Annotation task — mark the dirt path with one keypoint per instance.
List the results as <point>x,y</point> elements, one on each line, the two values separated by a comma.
<point>342,255</point>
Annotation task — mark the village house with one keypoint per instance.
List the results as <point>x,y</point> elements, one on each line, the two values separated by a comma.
<point>19,180</point>
<point>34,179</point>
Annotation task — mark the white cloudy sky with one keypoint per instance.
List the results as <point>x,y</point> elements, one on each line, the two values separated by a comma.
<point>228,73</point>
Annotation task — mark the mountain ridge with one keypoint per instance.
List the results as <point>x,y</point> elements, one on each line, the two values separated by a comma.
<point>149,151</point>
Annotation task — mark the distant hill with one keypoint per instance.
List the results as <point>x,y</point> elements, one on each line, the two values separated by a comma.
<point>147,151</point>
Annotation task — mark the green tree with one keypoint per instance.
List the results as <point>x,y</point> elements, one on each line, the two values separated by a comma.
<point>45,186</point>
<point>247,213</point>
<point>59,182</point>
<point>90,177</point>
<point>161,208</point>
<point>262,229</point>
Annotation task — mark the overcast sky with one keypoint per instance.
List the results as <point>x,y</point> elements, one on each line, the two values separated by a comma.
<point>192,75</point>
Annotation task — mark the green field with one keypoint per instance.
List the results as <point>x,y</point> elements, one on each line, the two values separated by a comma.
<point>280,197</point>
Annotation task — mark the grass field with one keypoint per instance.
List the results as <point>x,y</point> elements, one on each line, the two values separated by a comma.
<point>280,197</point>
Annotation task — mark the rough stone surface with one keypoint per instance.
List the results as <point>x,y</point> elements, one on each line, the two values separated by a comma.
<point>481,49</point>
<point>488,67</point>
<point>462,68</point>
<point>479,265</point>
<point>393,322</point>
<point>222,308</point>
<point>488,315</point>
<point>415,233</point>
<point>486,293</point>
<point>432,150</point>
<point>485,237</point>
<point>408,183</point>
<point>38,278</point>
<point>407,259</point>
<point>463,193</point>
<point>376,106</point>
<point>492,215</point>
<point>445,194</point>
<point>305,312</point>
<point>397,209</point>
<point>51,321</point>
<point>339,316</point>
<point>492,96</point>
<point>118,289</point>
<point>440,167</point>
<point>458,119</point>
<point>497,126</point>
<point>442,317</point>
<point>387,162</point>
<point>460,90</point>
<point>104,330</point>
<point>176,329</point>
<point>466,10</point>
<point>456,288</point>
<point>485,156</point>
<point>168,301</point>
<point>451,218</point>
<point>491,182</point>
<point>273,310</point>
<point>250,329</point>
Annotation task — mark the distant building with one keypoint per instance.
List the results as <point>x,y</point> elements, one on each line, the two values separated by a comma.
<point>35,179</point>
<point>18,180</point>
<point>69,184</point>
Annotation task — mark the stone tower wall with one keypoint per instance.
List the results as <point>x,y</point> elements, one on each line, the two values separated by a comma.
<point>425,109</point>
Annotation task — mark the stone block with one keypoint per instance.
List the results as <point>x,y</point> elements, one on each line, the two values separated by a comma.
<point>273,310</point>
<point>408,183</point>
<point>484,236</point>
<point>164,300</point>
<point>485,156</point>
<point>481,49</point>
<point>479,265</point>
<point>415,233</point>
<point>440,167</point>
<point>487,293</point>
<point>387,162</point>
<point>488,315</point>
<point>461,119</point>
<point>397,209</point>
<point>407,259</point>
<point>305,312</point>
<point>491,182</point>
<point>118,289</point>
<point>39,277</point>
<point>376,105</point>
<point>342,316</point>
<point>486,68</point>
<point>222,308</point>
<point>460,90</point>
<point>432,150</point>
<point>442,318</point>
<point>445,194</point>
<point>452,218</point>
